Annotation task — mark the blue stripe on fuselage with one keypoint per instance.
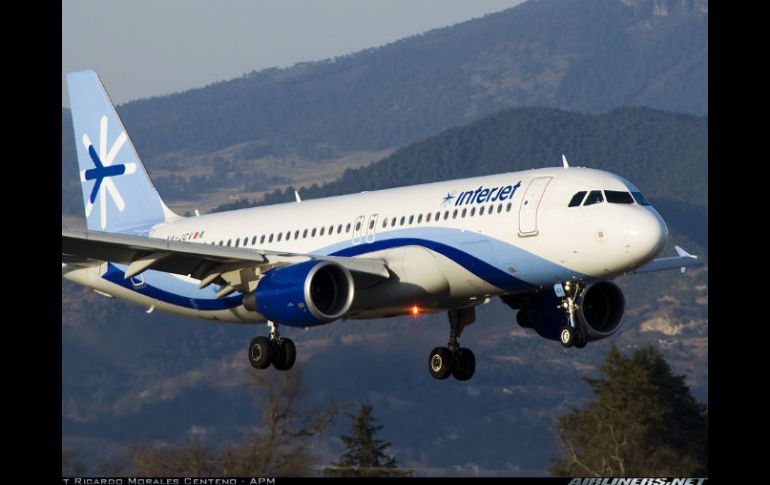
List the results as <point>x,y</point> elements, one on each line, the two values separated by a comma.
<point>483,260</point>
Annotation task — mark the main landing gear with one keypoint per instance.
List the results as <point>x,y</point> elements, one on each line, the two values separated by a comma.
<point>572,333</point>
<point>276,350</point>
<point>455,360</point>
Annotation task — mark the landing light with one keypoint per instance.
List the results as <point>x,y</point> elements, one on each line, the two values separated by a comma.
<point>415,310</point>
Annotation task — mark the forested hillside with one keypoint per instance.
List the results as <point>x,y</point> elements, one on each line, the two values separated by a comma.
<point>585,55</point>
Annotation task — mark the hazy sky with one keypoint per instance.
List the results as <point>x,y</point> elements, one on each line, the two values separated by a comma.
<point>145,48</point>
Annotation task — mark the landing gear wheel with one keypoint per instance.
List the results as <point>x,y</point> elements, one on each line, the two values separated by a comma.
<point>260,352</point>
<point>465,364</point>
<point>285,353</point>
<point>441,363</point>
<point>567,336</point>
<point>581,339</point>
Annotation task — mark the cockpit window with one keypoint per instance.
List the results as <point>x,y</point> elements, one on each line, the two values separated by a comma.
<point>594,197</point>
<point>618,197</point>
<point>640,199</point>
<point>577,199</point>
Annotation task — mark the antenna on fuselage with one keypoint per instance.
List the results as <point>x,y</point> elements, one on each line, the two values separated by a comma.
<point>296,196</point>
<point>564,161</point>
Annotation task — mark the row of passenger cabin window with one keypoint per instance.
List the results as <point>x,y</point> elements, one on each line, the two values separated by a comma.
<point>287,236</point>
<point>611,196</point>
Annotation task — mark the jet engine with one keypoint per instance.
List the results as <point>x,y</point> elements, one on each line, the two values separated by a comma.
<point>303,294</point>
<point>599,311</point>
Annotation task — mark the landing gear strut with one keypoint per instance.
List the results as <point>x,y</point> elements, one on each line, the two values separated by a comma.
<point>453,359</point>
<point>276,350</point>
<point>572,333</point>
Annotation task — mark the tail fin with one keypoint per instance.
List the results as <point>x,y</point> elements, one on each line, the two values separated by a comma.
<point>118,195</point>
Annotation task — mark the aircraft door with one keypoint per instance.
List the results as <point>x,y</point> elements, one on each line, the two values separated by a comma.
<point>358,229</point>
<point>371,228</point>
<point>530,204</point>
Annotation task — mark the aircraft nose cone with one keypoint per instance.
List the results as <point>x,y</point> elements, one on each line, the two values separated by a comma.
<point>646,235</point>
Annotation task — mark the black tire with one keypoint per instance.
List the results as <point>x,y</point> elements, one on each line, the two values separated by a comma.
<point>260,352</point>
<point>441,363</point>
<point>466,365</point>
<point>567,336</point>
<point>581,339</point>
<point>285,354</point>
<point>523,318</point>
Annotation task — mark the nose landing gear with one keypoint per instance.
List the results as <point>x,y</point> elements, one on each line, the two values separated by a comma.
<point>458,361</point>
<point>276,350</point>
<point>572,333</point>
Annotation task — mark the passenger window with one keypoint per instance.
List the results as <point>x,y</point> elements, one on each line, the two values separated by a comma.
<point>508,207</point>
<point>499,208</point>
<point>323,229</point>
<point>454,214</point>
<point>221,243</point>
<point>618,197</point>
<point>280,236</point>
<point>384,223</point>
<point>288,235</point>
<point>347,228</point>
<point>339,229</point>
<point>331,229</point>
<point>271,238</point>
<point>481,210</point>
<point>640,199</point>
<point>312,233</point>
<point>304,234</point>
<point>229,241</point>
<point>473,211</point>
<point>464,212</point>
<point>594,197</point>
<point>577,199</point>
<point>237,242</point>
<point>491,210</point>
<point>262,239</point>
<point>427,218</point>
<point>438,216</point>
<point>446,215</point>
<point>358,225</point>
<point>403,219</point>
<point>254,240</point>
<point>296,234</point>
<point>371,225</point>
<point>411,219</point>
<point>419,219</point>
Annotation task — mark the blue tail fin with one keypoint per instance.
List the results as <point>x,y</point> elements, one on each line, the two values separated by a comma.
<point>118,195</point>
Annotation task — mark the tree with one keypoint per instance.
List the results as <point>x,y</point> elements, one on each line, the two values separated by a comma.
<point>279,447</point>
<point>643,422</point>
<point>365,455</point>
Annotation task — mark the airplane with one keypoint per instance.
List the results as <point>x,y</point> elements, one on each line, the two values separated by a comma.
<point>547,241</point>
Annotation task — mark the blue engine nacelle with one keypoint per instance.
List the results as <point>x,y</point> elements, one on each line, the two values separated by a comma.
<point>600,311</point>
<point>303,294</point>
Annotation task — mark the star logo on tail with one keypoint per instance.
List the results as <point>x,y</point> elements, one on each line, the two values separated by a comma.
<point>104,170</point>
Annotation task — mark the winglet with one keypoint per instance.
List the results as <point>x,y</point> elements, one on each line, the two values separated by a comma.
<point>681,252</point>
<point>564,161</point>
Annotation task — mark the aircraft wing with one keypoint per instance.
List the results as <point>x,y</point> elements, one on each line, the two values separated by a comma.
<point>234,268</point>
<point>682,261</point>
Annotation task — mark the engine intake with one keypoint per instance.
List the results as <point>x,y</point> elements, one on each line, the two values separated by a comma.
<point>302,294</point>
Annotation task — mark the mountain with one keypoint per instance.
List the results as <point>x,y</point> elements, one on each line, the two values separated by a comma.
<point>585,55</point>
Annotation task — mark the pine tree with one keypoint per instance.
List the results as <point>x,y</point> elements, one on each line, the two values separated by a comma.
<point>643,422</point>
<point>365,455</point>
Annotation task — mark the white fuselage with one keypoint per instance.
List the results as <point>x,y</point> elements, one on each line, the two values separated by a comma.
<point>450,244</point>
